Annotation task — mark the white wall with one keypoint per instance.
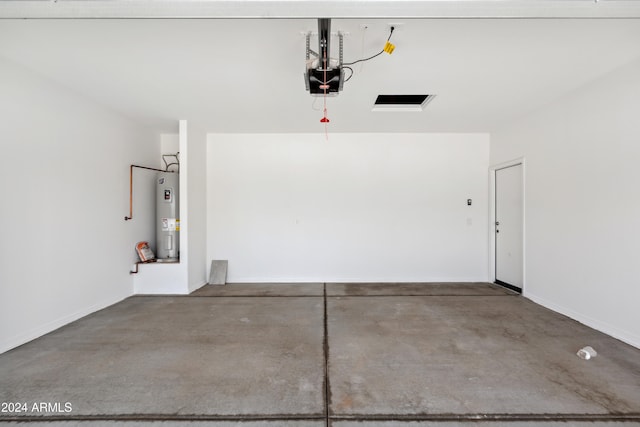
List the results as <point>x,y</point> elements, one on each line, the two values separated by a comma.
<point>197,172</point>
<point>358,207</point>
<point>65,249</point>
<point>583,202</point>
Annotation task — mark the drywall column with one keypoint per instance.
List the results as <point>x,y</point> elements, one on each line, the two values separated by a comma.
<point>197,218</point>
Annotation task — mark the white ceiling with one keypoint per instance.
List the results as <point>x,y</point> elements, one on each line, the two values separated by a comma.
<point>246,75</point>
<point>317,8</point>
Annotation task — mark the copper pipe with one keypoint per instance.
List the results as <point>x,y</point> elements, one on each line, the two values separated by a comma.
<point>138,263</point>
<point>127,218</point>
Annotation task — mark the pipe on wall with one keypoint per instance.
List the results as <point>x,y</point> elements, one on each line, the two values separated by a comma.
<point>127,218</point>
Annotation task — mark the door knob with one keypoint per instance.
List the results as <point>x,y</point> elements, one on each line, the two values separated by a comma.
<point>497,222</point>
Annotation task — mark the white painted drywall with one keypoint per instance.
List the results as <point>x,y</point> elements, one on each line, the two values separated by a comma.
<point>197,173</point>
<point>355,207</point>
<point>65,249</point>
<point>583,203</point>
<point>161,279</point>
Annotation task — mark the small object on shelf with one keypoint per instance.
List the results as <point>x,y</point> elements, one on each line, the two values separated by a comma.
<point>144,252</point>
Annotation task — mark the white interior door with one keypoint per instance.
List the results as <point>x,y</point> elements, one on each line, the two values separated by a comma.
<point>509,226</point>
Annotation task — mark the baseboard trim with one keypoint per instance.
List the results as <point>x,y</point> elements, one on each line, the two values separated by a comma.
<point>355,280</point>
<point>193,288</point>
<point>598,325</point>
<point>33,333</point>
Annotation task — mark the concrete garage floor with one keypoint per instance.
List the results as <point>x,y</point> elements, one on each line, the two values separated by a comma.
<point>311,355</point>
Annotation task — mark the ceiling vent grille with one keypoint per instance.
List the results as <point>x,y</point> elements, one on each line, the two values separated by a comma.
<point>402,102</point>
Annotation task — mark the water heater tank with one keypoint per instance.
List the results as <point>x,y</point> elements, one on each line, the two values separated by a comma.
<point>167,217</point>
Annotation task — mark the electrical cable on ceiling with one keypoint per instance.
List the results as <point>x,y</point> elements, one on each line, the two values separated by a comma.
<point>350,75</point>
<point>365,59</point>
<point>374,56</point>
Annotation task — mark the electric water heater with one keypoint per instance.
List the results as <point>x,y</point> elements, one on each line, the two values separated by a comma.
<point>167,217</point>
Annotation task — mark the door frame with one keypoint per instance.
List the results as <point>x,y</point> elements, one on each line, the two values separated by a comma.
<point>492,218</point>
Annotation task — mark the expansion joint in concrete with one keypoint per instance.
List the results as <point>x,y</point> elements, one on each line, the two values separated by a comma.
<point>163,417</point>
<point>327,386</point>
<point>488,417</point>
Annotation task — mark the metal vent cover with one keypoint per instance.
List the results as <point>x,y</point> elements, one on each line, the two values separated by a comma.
<point>401,102</point>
